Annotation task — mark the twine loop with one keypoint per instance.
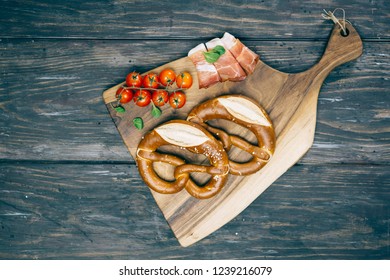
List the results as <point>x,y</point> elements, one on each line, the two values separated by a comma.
<point>331,15</point>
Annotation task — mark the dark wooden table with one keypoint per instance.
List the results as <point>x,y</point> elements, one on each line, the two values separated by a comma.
<point>70,190</point>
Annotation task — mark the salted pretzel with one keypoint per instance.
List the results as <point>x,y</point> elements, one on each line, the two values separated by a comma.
<point>189,136</point>
<point>247,113</point>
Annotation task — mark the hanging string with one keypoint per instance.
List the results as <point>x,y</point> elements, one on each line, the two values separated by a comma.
<point>330,15</point>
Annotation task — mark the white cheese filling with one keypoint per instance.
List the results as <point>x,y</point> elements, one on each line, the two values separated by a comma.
<point>205,67</point>
<point>213,43</point>
<point>199,47</point>
<point>181,135</point>
<point>228,40</point>
<point>244,110</point>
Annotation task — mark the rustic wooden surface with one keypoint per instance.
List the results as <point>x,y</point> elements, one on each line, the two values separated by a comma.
<point>69,189</point>
<point>290,99</point>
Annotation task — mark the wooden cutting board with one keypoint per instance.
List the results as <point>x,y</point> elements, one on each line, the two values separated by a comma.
<point>290,100</point>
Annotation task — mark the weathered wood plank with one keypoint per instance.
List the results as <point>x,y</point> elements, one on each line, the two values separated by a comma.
<point>51,106</point>
<point>51,211</point>
<point>291,101</point>
<point>186,19</point>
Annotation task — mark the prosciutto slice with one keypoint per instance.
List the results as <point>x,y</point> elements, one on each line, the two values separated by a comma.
<point>245,57</point>
<point>227,66</point>
<point>207,73</point>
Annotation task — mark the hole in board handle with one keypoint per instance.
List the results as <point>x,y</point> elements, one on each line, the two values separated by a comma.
<point>346,31</point>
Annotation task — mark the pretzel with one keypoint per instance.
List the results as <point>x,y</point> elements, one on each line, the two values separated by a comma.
<point>189,136</point>
<point>247,113</point>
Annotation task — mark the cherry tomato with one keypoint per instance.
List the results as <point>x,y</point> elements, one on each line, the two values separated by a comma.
<point>150,81</point>
<point>142,97</point>
<point>124,95</point>
<point>160,97</point>
<point>167,77</point>
<point>177,99</point>
<point>134,79</point>
<point>184,80</point>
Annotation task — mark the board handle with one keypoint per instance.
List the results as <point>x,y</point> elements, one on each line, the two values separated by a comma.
<point>340,49</point>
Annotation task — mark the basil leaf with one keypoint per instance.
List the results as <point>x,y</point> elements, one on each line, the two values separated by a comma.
<point>120,109</point>
<point>156,112</point>
<point>138,123</point>
<point>219,49</point>
<point>211,57</point>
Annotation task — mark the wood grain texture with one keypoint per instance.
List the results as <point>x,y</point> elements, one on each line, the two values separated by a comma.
<point>84,196</point>
<point>103,211</point>
<point>291,102</point>
<point>185,19</point>
<point>51,106</point>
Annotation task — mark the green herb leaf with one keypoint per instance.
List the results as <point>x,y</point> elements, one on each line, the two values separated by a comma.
<point>219,49</point>
<point>211,57</point>
<point>156,112</point>
<point>138,123</point>
<point>120,109</point>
